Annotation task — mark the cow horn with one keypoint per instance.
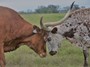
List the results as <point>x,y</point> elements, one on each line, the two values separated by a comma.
<point>42,24</point>
<point>60,21</point>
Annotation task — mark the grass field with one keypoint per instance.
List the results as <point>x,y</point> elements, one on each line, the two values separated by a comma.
<point>68,55</point>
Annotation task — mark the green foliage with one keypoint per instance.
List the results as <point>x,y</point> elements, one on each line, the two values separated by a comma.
<point>68,55</point>
<point>48,9</point>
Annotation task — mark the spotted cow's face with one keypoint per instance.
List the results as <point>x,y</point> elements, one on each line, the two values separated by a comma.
<point>54,41</point>
<point>54,38</point>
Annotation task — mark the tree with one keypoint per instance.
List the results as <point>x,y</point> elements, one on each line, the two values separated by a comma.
<point>41,9</point>
<point>52,9</point>
<point>76,7</point>
<point>82,6</point>
<point>48,9</point>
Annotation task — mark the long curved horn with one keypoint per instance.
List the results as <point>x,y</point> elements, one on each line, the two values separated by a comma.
<point>60,21</point>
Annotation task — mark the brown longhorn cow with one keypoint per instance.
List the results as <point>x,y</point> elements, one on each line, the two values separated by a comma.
<point>14,31</point>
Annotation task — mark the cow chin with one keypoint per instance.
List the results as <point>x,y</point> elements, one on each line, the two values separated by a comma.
<point>52,53</point>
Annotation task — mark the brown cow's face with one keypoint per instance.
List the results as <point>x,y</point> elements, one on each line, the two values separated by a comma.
<point>37,42</point>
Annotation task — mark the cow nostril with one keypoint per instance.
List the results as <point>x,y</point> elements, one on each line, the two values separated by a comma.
<point>49,39</point>
<point>52,52</point>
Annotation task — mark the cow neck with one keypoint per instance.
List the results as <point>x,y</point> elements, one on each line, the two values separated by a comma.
<point>20,38</point>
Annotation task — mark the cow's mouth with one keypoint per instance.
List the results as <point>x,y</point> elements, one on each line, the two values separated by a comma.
<point>42,55</point>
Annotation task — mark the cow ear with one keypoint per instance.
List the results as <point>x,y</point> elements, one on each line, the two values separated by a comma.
<point>54,30</point>
<point>36,29</point>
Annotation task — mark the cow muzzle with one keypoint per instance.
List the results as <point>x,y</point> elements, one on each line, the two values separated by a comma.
<point>52,52</point>
<point>42,55</point>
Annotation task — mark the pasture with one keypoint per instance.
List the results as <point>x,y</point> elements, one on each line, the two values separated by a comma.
<point>68,55</point>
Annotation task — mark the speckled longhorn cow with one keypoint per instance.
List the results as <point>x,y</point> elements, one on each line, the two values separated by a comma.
<point>75,27</point>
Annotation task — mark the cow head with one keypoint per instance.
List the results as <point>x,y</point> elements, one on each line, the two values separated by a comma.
<point>37,41</point>
<point>55,38</point>
<point>54,41</point>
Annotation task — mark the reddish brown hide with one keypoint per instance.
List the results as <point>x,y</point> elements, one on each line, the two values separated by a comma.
<point>14,31</point>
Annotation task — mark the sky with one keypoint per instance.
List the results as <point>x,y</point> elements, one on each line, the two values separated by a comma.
<point>20,5</point>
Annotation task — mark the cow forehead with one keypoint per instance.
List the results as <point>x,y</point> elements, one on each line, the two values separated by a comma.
<point>55,39</point>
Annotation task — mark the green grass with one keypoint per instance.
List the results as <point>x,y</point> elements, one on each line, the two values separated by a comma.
<point>35,18</point>
<point>68,55</point>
